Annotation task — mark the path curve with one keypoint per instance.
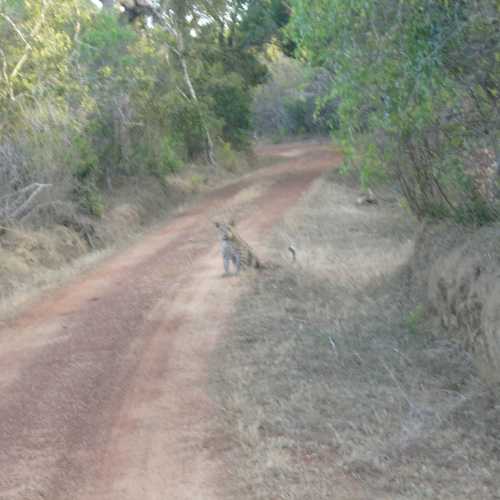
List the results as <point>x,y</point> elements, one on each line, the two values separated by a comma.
<point>103,383</point>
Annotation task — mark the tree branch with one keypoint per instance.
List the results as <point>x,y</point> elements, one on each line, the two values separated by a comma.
<point>16,29</point>
<point>34,32</point>
<point>5,75</point>
<point>26,206</point>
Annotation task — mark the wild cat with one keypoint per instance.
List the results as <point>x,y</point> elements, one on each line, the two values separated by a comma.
<point>235,249</point>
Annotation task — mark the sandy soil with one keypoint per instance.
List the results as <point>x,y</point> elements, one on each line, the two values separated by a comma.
<point>103,383</point>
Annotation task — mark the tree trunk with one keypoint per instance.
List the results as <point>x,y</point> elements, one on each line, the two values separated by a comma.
<point>192,93</point>
<point>194,97</point>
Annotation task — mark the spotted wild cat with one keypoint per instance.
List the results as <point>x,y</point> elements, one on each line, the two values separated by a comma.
<point>234,249</point>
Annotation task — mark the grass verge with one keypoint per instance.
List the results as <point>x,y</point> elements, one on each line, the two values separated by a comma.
<point>332,385</point>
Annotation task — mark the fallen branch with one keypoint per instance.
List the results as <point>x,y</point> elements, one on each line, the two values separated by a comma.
<point>21,191</point>
<point>29,203</point>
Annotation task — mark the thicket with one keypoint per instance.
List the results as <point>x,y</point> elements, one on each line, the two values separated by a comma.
<point>93,94</point>
<point>418,86</point>
<point>294,101</point>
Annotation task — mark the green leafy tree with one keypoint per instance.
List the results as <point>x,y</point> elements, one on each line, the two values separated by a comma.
<point>417,85</point>
<point>90,96</point>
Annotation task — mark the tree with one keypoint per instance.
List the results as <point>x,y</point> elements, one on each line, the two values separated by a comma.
<point>219,36</point>
<point>417,84</point>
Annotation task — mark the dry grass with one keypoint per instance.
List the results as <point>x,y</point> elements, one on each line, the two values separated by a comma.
<point>33,261</point>
<point>332,379</point>
<point>45,254</point>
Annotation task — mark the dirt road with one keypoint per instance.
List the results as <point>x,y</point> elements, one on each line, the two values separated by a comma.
<point>103,383</point>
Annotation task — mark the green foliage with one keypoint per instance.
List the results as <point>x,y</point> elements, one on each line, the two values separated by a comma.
<point>287,104</point>
<point>157,156</point>
<point>421,80</point>
<point>90,199</point>
<point>189,127</point>
<point>105,46</point>
<point>232,104</point>
<point>35,55</point>
<point>83,158</point>
<point>196,181</point>
<point>170,161</point>
<point>87,97</point>
<point>415,319</point>
<point>228,157</point>
<point>262,23</point>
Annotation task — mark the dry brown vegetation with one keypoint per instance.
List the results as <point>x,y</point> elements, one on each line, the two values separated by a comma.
<point>462,280</point>
<point>333,383</point>
<point>54,245</point>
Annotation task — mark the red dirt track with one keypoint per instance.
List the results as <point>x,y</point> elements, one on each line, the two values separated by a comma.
<point>103,383</point>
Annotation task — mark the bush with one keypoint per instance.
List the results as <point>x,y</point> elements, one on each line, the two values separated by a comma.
<point>228,157</point>
<point>90,199</point>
